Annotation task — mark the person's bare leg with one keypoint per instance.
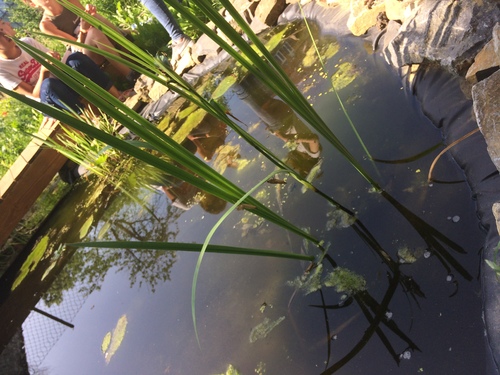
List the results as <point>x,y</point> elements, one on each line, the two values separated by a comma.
<point>97,39</point>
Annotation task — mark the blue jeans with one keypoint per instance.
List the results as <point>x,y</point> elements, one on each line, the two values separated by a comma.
<point>166,19</point>
<point>55,92</point>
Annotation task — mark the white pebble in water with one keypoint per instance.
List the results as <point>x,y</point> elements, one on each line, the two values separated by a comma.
<point>406,355</point>
<point>449,278</point>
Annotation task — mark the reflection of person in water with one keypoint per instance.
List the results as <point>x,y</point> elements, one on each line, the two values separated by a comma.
<point>280,120</point>
<point>205,139</point>
<point>184,196</point>
<point>304,145</point>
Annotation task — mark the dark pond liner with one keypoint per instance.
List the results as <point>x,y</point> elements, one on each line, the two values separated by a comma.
<point>445,104</point>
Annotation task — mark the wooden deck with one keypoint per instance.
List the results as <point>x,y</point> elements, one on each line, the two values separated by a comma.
<point>27,178</point>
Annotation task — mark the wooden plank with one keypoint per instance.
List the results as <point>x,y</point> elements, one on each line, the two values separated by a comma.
<point>27,178</point>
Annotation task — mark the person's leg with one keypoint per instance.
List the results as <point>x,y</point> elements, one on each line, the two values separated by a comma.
<point>54,92</point>
<point>166,19</point>
<point>84,65</point>
<point>96,38</point>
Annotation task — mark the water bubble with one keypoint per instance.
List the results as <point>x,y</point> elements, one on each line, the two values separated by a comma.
<point>456,219</point>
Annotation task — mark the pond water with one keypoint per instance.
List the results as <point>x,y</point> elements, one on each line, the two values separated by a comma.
<point>415,248</point>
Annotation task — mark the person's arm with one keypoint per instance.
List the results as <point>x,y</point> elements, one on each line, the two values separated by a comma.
<point>26,89</point>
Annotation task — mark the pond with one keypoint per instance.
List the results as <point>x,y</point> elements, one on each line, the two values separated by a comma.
<point>405,299</point>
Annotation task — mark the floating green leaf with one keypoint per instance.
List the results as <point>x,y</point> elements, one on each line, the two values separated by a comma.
<point>86,227</point>
<point>33,259</point>
<point>115,338</point>
<point>105,343</point>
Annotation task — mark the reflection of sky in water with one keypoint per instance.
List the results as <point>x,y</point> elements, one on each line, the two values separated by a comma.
<point>231,290</point>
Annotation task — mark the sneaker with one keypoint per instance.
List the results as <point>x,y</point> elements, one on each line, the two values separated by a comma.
<point>179,47</point>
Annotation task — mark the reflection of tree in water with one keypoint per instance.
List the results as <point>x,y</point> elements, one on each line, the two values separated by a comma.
<point>88,267</point>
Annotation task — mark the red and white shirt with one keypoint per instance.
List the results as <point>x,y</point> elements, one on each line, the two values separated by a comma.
<point>21,69</point>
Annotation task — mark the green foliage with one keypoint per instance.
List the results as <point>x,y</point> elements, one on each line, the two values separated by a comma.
<point>17,120</point>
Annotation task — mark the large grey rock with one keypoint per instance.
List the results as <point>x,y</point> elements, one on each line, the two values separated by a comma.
<point>364,16</point>
<point>268,11</point>
<point>448,31</point>
<point>487,58</point>
<point>486,97</point>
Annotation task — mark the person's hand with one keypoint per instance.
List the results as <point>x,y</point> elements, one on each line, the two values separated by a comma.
<point>54,54</point>
<point>90,9</point>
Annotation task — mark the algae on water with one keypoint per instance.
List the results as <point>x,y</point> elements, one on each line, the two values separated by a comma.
<point>345,281</point>
<point>309,282</point>
<point>231,370</point>
<point>408,256</point>
<point>338,218</point>
<point>261,330</point>
<point>344,76</point>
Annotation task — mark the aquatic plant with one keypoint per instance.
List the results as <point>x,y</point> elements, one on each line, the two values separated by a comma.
<point>493,264</point>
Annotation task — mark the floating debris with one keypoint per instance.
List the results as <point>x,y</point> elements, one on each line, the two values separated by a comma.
<point>261,330</point>
<point>405,355</point>
<point>345,281</point>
